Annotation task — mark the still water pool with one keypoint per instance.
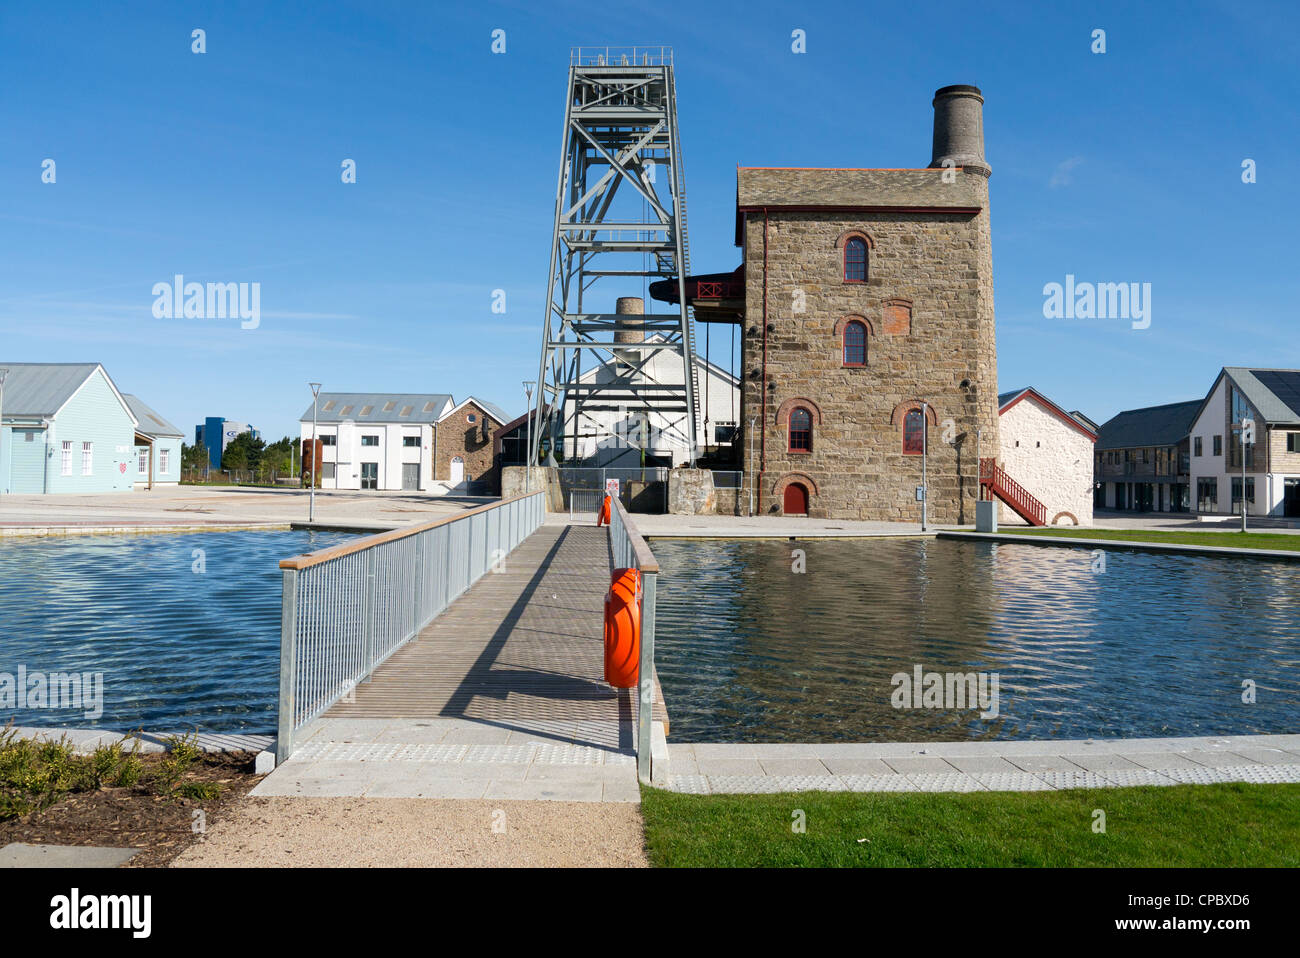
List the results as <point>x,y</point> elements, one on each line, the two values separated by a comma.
<point>749,650</point>
<point>184,628</point>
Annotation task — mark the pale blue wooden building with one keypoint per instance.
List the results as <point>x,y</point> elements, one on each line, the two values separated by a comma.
<point>157,447</point>
<point>65,428</point>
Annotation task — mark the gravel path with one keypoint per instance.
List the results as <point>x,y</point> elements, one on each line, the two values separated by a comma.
<point>416,832</point>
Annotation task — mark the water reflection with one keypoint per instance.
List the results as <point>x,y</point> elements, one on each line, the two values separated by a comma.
<point>1157,645</point>
<point>180,648</point>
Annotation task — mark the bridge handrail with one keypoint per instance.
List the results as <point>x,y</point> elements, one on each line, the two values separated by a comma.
<point>347,608</point>
<point>309,559</point>
<point>630,551</point>
<point>993,475</point>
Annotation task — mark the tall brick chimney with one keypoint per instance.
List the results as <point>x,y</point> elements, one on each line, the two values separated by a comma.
<point>629,330</point>
<point>959,129</point>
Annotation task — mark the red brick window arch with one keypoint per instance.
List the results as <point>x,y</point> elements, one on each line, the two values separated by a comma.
<point>856,246</point>
<point>855,343</point>
<point>801,430</point>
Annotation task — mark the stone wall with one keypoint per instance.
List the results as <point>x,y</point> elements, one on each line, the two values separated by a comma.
<point>515,482</point>
<point>690,492</point>
<point>472,441</point>
<point>1279,460</point>
<point>728,502</point>
<point>932,268</point>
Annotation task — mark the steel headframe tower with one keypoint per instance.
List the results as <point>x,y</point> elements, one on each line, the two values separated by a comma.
<point>620,134</point>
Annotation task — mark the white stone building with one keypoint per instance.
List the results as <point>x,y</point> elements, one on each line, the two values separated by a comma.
<point>376,440</point>
<point>1049,452</point>
<point>614,438</point>
<point>1270,397</point>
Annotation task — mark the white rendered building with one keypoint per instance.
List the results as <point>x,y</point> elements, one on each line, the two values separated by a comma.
<point>376,440</point>
<point>1049,452</point>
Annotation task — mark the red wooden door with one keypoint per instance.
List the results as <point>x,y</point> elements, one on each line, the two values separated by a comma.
<point>796,500</point>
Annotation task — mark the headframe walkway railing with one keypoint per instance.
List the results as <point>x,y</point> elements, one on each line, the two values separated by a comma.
<point>630,551</point>
<point>347,608</point>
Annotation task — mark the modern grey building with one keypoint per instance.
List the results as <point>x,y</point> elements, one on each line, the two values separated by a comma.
<point>1141,461</point>
<point>1269,479</point>
<point>216,432</point>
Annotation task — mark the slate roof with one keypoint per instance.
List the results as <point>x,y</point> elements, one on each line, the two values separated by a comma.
<point>1163,425</point>
<point>759,187</point>
<point>150,423</point>
<point>492,409</point>
<point>1086,420</point>
<point>41,389</point>
<point>1007,398</point>
<point>424,407</point>
<point>1275,393</point>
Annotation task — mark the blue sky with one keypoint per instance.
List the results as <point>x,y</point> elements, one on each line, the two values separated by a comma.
<point>224,167</point>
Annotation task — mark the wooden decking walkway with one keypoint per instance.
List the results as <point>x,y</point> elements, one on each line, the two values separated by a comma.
<point>521,650</point>
<point>500,697</point>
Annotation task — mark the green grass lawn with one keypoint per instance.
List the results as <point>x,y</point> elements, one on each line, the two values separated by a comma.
<point>1184,826</point>
<point>1233,540</point>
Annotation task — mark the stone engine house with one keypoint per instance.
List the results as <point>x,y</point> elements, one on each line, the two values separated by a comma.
<point>868,330</point>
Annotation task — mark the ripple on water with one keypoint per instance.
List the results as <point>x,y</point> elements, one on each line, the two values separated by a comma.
<point>179,648</point>
<point>1158,645</point>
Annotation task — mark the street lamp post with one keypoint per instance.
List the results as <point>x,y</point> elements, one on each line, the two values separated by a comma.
<point>925,449</point>
<point>1247,430</point>
<point>311,495</point>
<point>528,449</point>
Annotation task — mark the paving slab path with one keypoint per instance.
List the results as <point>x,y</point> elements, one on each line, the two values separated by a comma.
<point>982,766</point>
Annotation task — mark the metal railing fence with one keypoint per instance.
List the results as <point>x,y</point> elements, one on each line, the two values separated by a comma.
<point>621,56</point>
<point>585,500</point>
<point>630,551</point>
<point>579,481</point>
<point>347,608</point>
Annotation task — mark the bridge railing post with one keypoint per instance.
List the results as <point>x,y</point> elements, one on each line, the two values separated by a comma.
<point>368,617</point>
<point>646,685</point>
<point>285,724</point>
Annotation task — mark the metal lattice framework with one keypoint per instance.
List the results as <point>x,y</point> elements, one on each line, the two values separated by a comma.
<point>620,216</point>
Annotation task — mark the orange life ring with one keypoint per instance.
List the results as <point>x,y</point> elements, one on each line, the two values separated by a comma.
<point>602,517</point>
<point>623,629</point>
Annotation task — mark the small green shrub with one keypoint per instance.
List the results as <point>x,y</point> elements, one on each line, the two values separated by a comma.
<point>182,753</point>
<point>199,791</point>
<point>114,766</point>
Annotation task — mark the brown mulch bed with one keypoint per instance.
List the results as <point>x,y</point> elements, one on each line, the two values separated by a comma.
<point>161,826</point>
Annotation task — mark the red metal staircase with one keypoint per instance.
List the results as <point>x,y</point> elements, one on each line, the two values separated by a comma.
<point>1012,493</point>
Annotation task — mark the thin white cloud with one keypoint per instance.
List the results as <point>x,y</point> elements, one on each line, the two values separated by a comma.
<point>1062,175</point>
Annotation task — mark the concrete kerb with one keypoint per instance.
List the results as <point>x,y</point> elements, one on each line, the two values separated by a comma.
<point>84,741</point>
<point>1078,543</point>
<point>108,529</point>
<point>660,769</point>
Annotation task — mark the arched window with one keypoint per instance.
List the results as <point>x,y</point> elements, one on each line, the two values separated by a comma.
<point>913,432</point>
<point>800,430</point>
<point>855,343</point>
<point>855,260</point>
